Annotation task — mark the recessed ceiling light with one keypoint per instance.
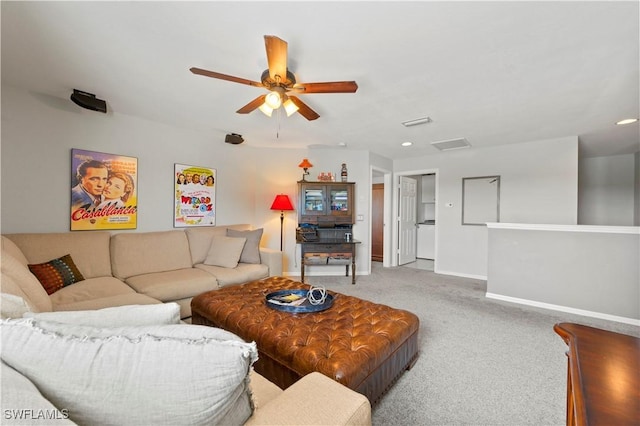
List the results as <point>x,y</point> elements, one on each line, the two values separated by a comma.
<point>421,120</point>
<point>627,121</point>
<point>407,143</point>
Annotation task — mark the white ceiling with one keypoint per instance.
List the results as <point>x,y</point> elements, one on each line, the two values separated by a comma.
<point>491,72</point>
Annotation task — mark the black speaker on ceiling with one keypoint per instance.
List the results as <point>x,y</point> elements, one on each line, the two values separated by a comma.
<point>233,138</point>
<point>88,101</point>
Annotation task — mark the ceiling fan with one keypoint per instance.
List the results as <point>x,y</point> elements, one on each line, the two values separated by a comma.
<point>281,84</point>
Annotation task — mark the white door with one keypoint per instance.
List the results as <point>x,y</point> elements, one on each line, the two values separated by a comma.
<point>407,226</point>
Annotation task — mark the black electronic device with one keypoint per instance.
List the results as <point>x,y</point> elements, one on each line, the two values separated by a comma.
<point>88,101</point>
<point>233,138</point>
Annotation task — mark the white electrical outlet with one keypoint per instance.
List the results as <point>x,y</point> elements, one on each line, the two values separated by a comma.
<point>360,217</point>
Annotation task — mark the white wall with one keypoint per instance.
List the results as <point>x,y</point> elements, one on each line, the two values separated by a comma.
<point>37,138</point>
<point>539,184</point>
<point>539,179</point>
<point>588,270</point>
<point>38,133</point>
<point>606,190</point>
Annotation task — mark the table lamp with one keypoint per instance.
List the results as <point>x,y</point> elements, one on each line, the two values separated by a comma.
<point>305,165</point>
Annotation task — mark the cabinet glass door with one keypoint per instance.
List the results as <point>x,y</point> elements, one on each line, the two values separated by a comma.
<point>339,200</point>
<point>313,201</point>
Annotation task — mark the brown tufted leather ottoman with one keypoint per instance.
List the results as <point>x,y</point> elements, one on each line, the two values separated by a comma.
<point>361,344</point>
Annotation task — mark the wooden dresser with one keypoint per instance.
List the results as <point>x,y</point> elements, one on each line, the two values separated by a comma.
<point>603,379</point>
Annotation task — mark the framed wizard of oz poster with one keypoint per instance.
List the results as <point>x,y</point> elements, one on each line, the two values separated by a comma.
<point>103,191</point>
<point>195,196</point>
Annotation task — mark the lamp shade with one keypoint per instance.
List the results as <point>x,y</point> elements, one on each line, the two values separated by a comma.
<point>305,164</point>
<point>273,99</point>
<point>290,107</point>
<point>282,202</point>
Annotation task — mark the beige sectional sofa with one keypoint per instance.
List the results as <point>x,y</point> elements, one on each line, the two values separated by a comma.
<point>95,335</point>
<point>138,267</point>
<point>132,365</point>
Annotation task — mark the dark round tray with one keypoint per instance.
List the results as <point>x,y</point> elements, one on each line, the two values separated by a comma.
<point>303,308</point>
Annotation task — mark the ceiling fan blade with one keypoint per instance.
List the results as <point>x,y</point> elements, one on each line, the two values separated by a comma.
<point>251,105</point>
<point>327,87</point>
<point>214,74</point>
<point>276,57</point>
<point>304,109</point>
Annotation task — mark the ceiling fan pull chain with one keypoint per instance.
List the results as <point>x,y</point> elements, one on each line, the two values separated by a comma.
<point>278,123</point>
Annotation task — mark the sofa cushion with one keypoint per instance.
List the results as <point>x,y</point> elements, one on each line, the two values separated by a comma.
<point>18,280</point>
<point>240,274</point>
<point>23,404</point>
<point>124,299</point>
<point>56,273</point>
<point>90,289</point>
<point>225,251</point>
<point>173,285</point>
<point>149,252</point>
<point>263,390</point>
<point>185,307</point>
<point>119,316</point>
<point>251,250</point>
<point>90,250</point>
<point>11,248</point>
<point>351,408</point>
<point>171,374</point>
<point>200,239</point>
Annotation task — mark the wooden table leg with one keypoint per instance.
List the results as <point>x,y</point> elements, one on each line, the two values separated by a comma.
<point>302,269</point>
<point>353,269</point>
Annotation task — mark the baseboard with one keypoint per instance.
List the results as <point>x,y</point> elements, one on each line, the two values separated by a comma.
<point>324,274</point>
<point>458,274</point>
<point>567,309</point>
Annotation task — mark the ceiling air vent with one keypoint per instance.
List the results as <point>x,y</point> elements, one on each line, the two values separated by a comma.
<point>451,144</point>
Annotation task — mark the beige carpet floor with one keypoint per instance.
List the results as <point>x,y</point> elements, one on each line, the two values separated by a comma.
<point>481,362</point>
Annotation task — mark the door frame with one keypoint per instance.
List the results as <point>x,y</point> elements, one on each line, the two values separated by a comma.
<point>394,211</point>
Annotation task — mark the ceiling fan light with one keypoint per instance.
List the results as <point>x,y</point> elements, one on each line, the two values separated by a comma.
<point>273,100</point>
<point>266,109</point>
<point>290,107</point>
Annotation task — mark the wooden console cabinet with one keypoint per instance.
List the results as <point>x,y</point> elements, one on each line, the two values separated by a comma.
<point>326,211</point>
<point>603,378</point>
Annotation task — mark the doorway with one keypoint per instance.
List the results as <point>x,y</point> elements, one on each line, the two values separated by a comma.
<point>377,222</point>
<point>425,220</point>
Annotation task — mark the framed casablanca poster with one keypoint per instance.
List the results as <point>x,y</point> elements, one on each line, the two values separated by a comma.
<point>195,196</point>
<point>103,191</point>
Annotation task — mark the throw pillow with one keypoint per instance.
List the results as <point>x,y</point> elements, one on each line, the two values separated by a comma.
<point>225,251</point>
<point>23,404</point>
<point>12,306</point>
<point>169,374</point>
<point>118,316</point>
<point>251,251</point>
<point>18,280</point>
<point>56,273</point>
